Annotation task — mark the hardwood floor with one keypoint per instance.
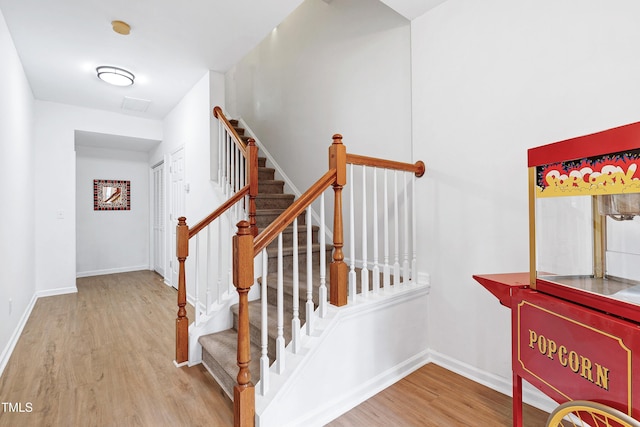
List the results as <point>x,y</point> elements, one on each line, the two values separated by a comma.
<point>435,397</point>
<point>104,357</point>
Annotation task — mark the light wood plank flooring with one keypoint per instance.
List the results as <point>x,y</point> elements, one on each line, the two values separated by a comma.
<point>104,357</point>
<point>435,397</point>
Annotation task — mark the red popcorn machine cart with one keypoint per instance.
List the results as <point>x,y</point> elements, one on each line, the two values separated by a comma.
<point>576,313</point>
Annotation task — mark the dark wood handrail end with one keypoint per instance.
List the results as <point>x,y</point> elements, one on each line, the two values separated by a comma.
<point>420,168</point>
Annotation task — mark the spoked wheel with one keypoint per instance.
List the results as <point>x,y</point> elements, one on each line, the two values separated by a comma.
<point>582,413</point>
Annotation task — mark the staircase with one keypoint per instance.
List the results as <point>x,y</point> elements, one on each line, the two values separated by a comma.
<point>368,328</point>
<point>219,349</point>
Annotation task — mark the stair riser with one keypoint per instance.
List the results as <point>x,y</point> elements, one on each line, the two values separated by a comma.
<point>266,174</point>
<point>262,161</point>
<point>270,187</point>
<point>255,334</point>
<point>287,238</point>
<point>265,202</point>
<point>264,219</point>
<point>272,299</point>
<point>227,381</point>
<point>287,261</point>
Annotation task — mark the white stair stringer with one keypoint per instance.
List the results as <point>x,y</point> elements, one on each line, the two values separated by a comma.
<point>219,319</point>
<point>352,354</point>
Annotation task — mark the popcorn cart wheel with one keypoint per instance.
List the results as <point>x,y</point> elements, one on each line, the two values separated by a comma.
<point>583,413</point>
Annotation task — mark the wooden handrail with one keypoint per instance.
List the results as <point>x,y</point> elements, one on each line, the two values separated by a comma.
<point>297,207</point>
<point>222,209</point>
<point>218,114</point>
<point>418,167</point>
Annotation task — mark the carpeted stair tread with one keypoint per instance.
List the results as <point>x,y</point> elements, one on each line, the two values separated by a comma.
<point>219,355</point>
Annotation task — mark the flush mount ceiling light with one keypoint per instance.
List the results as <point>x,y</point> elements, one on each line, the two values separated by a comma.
<point>115,76</point>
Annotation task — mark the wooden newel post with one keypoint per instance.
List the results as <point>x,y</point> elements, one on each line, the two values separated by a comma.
<point>182,322</point>
<point>244,391</point>
<point>252,179</point>
<point>338,269</point>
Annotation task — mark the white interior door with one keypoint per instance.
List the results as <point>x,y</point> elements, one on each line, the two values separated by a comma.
<point>159,240</point>
<point>177,203</point>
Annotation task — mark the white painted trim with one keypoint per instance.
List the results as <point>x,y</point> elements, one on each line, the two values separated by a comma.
<point>112,271</point>
<point>530,394</point>
<point>54,292</point>
<point>11,345</point>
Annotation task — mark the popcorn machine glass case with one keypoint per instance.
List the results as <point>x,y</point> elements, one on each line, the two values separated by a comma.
<point>585,220</point>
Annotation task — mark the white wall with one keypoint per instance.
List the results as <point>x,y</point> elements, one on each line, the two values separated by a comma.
<point>342,67</point>
<point>491,79</point>
<point>55,162</point>
<point>17,244</point>
<point>111,241</point>
<point>191,125</point>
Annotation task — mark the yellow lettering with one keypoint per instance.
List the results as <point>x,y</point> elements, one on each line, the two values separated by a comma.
<point>562,356</point>
<point>552,348</point>
<point>574,361</point>
<point>542,344</point>
<point>602,377</point>
<point>533,337</point>
<point>586,368</point>
<point>579,364</point>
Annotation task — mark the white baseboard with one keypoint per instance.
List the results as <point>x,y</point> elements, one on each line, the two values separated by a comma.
<point>530,395</point>
<point>332,410</point>
<point>112,271</point>
<point>54,292</point>
<point>6,353</point>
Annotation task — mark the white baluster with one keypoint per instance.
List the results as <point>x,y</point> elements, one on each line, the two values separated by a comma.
<point>364,273</point>
<point>264,327</point>
<point>309,306</point>
<point>210,269</point>
<point>220,145</point>
<point>414,272</point>
<point>352,239</point>
<point>234,167</point>
<point>280,343</point>
<point>229,278</point>
<point>196,304</point>
<point>396,232</point>
<point>220,251</point>
<point>295,322</point>
<point>405,263</point>
<point>227,165</point>
<point>242,180</point>
<point>322,299</point>
<point>376,267</point>
<point>386,269</point>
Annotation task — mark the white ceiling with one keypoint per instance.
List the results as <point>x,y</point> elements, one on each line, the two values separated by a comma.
<point>411,9</point>
<point>171,45</point>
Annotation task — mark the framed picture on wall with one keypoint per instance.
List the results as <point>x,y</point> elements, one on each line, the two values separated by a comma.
<point>111,195</point>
